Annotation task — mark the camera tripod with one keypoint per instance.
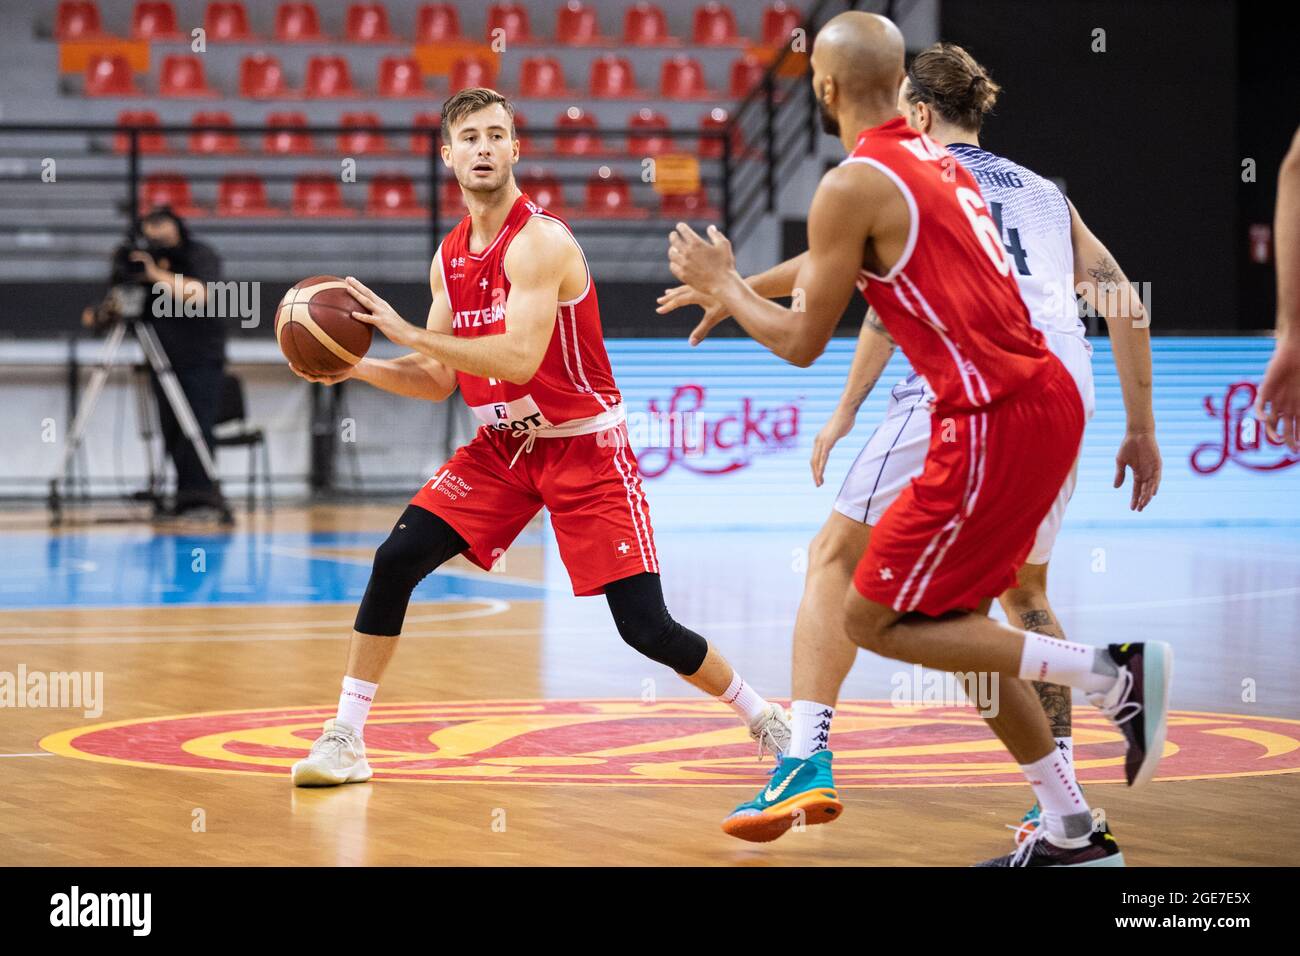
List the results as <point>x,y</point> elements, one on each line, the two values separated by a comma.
<point>171,387</point>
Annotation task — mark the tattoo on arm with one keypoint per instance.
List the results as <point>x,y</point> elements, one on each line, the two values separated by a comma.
<point>1105,271</point>
<point>873,320</point>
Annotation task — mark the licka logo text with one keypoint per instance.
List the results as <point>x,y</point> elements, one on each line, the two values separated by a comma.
<point>1242,440</point>
<point>706,437</point>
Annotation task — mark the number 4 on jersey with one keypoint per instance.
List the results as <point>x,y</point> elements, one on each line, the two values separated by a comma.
<point>1013,246</point>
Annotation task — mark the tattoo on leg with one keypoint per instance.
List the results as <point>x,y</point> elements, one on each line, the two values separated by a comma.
<point>1039,621</point>
<point>1056,704</point>
<point>1054,698</point>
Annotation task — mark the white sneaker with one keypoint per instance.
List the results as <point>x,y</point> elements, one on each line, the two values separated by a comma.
<point>337,756</point>
<point>772,731</point>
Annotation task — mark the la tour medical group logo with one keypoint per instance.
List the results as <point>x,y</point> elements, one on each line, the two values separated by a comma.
<point>668,742</point>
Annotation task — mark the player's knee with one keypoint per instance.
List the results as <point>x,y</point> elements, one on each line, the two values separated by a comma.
<point>831,547</point>
<point>664,641</point>
<point>419,544</point>
<point>868,624</point>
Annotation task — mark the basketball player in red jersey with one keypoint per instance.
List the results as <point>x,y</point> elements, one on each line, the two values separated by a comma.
<point>906,224</point>
<point>515,323</point>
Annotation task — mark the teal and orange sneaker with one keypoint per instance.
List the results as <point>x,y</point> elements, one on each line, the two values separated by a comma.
<point>799,789</point>
<point>1028,824</point>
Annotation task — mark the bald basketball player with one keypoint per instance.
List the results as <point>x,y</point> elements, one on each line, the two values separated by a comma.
<point>946,95</point>
<point>515,324</point>
<point>909,227</point>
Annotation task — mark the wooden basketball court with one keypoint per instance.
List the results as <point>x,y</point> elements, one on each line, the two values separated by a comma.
<point>514,727</point>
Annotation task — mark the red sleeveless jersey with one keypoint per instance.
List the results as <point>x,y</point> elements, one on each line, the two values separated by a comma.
<point>950,302</point>
<point>574,381</point>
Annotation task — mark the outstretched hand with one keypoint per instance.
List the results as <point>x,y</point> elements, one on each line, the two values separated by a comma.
<point>704,266</point>
<point>683,295</point>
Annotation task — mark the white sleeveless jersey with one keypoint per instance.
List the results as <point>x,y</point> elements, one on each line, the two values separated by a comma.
<point>1034,219</point>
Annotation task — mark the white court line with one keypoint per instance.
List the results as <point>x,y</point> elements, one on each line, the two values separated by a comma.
<point>41,754</point>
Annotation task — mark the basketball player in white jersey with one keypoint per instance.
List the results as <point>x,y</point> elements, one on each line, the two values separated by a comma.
<point>946,94</point>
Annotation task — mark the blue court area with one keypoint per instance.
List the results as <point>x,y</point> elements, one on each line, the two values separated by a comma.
<point>137,567</point>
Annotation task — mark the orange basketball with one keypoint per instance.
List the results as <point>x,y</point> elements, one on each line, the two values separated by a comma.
<point>315,327</point>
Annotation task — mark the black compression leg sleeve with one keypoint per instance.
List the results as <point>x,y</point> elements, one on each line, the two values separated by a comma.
<point>643,621</point>
<point>418,543</point>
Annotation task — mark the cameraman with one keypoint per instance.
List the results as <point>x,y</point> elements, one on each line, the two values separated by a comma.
<point>195,344</point>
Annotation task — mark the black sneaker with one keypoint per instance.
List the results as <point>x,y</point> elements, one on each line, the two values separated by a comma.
<point>1139,704</point>
<point>1038,850</point>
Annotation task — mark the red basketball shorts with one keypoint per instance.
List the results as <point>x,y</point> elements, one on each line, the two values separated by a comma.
<point>589,484</point>
<point>959,533</point>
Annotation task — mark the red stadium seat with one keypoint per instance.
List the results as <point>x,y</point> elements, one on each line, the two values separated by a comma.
<point>437,23</point>
<point>608,197</point>
<point>261,78</point>
<point>694,206</point>
<point>746,73</point>
<point>543,189</point>
<point>328,77</point>
<point>644,24</point>
<point>110,75</point>
<point>393,195</point>
<point>148,142</point>
<point>715,25</point>
<point>368,23</point>
<point>612,78</point>
<point>576,25</point>
<point>399,76</point>
<point>512,20</point>
<point>584,141</point>
<point>712,147</point>
<point>357,138</point>
<point>287,138</point>
<point>779,21</point>
<point>213,141</point>
<point>154,20</point>
<point>648,145</point>
<point>682,78</point>
<point>297,23</point>
<point>183,76</point>
<point>451,201</point>
<point>319,196</point>
<point>542,77</point>
<point>168,189</point>
<point>471,71</point>
<point>241,194</point>
<point>78,20</point>
<point>423,142</point>
<point>228,22</point>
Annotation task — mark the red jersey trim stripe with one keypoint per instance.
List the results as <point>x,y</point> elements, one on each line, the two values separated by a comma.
<point>913,227</point>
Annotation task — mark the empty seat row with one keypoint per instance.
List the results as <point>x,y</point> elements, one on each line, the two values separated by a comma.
<point>606,195</point>
<point>329,77</point>
<point>289,136</point>
<point>644,24</point>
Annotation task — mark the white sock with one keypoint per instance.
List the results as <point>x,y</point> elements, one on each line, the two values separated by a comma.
<point>1065,812</point>
<point>810,728</point>
<point>355,701</point>
<point>1065,747</point>
<point>1091,669</point>
<point>743,699</point>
